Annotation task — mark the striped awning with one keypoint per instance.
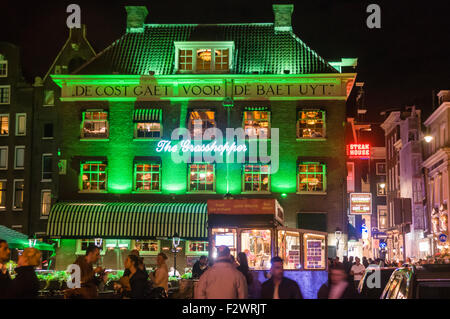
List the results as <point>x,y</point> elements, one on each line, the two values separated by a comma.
<point>127,220</point>
<point>257,108</point>
<point>147,115</point>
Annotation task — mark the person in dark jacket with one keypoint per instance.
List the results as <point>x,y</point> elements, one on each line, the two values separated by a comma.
<point>200,267</point>
<point>138,278</point>
<point>279,287</point>
<point>253,284</point>
<point>141,263</point>
<point>338,286</point>
<point>5,278</point>
<point>26,284</point>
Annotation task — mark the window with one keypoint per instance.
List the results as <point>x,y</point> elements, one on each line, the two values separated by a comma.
<point>93,177</point>
<point>147,123</point>
<point>147,177</point>
<point>197,247</point>
<point>21,124</point>
<point>83,244</point>
<point>49,98</point>
<point>289,249</point>
<point>381,189</point>
<point>203,57</point>
<point>19,159</point>
<point>46,202</point>
<point>350,177</point>
<point>200,121</point>
<point>18,194</point>
<point>185,60</point>
<point>311,177</point>
<point>226,237</point>
<point>147,247</point>
<point>5,93</point>
<point>311,124</point>
<point>3,194</point>
<point>148,130</point>
<point>3,67</point>
<point>95,124</point>
<point>257,124</point>
<point>48,131</point>
<point>381,168</point>
<point>47,167</point>
<point>256,178</point>
<point>382,217</point>
<point>3,157</point>
<point>4,124</point>
<point>256,244</point>
<point>201,177</point>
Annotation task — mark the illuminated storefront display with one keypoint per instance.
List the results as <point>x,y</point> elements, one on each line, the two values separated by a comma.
<point>314,250</point>
<point>224,237</point>
<point>147,247</point>
<point>256,244</point>
<point>358,150</point>
<point>197,248</point>
<point>361,203</point>
<point>289,249</point>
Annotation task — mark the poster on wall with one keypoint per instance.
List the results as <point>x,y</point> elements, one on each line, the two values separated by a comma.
<point>314,251</point>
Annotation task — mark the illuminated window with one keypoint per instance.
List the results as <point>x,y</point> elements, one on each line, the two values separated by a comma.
<point>256,244</point>
<point>185,60</point>
<point>3,194</point>
<point>3,67</point>
<point>5,94</point>
<point>147,123</point>
<point>311,177</point>
<point>95,124</point>
<point>148,130</point>
<point>200,121</point>
<point>257,124</point>
<point>256,178</point>
<point>289,249</point>
<point>197,247</point>
<point>4,124</point>
<point>46,202</point>
<point>83,244</point>
<point>3,157</point>
<point>147,177</point>
<point>381,189</point>
<point>311,124</point>
<point>147,247</point>
<point>203,57</point>
<point>47,167</point>
<point>18,194</point>
<point>224,237</point>
<point>382,217</point>
<point>49,98</point>
<point>201,177</point>
<point>93,177</point>
<point>21,124</point>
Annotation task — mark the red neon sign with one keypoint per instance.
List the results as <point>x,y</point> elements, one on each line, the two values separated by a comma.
<point>358,150</point>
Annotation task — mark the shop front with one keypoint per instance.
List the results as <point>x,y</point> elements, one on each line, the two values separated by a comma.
<point>256,227</point>
<point>439,222</point>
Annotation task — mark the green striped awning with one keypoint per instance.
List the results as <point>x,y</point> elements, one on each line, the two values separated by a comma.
<point>127,220</point>
<point>148,115</point>
<point>257,108</point>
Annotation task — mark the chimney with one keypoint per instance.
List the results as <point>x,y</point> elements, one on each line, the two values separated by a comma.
<point>283,15</point>
<point>136,17</point>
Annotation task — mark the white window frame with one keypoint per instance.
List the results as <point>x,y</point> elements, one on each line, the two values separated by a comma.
<point>15,156</point>
<point>196,45</point>
<point>379,207</point>
<point>9,95</point>
<point>17,124</point>
<point>6,195</point>
<point>14,194</point>
<point>42,197</point>
<point>5,115</point>
<point>5,62</point>
<point>7,153</point>
<point>42,167</point>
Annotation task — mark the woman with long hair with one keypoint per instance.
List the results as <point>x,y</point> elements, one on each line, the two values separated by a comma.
<point>253,284</point>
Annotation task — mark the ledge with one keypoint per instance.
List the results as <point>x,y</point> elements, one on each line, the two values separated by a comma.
<point>319,139</point>
<point>92,192</point>
<point>311,193</point>
<point>146,192</point>
<point>94,139</point>
<point>152,139</point>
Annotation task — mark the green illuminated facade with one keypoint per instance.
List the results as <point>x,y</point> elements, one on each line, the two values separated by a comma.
<point>116,108</point>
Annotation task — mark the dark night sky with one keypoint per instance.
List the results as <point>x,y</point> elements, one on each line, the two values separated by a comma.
<point>401,63</point>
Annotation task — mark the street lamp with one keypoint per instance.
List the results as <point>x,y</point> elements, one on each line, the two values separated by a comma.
<point>428,138</point>
<point>175,244</point>
<point>338,236</point>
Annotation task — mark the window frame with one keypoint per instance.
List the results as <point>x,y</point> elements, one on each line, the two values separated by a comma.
<point>42,216</point>
<point>15,156</point>
<point>324,182</point>
<point>378,170</point>
<point>135,172</point>
<point>189,179</point>
<point>43,102</point>
<point>14,208</point>
<point>379,187</point>
<point>80,179</point>
<point>380,208</point>
<point>147,253</point>
<point>188,126</point>
<point>5,115</point>
<point>136,137</point>
<point>324,125</point>
<point>9,94</point>
<point>269,119</point>
<point>4,62</point>
<point>3,208</point>
<point>83,119</point>
<point>198,45</point>
<point>43,132</point>
<point>17,124</point>
<point>268,191</point>
<point>42,167</point>
<point>6,147</point>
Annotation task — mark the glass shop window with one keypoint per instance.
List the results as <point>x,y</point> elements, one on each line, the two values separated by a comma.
<point>256,178</point>
<point>257,124</point>
<point>224,237</point>
<point>93,177</point>
<point>256,244</point>
<point>314,250</point>
<point>311,124</point>
<point>289,249</point>
<point>95,124</point>
<point>200,121</point>
<point>311,177</point>
<point>201,177</point>
<point>147,177</point>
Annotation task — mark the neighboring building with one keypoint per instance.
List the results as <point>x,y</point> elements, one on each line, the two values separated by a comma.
<point>46,133</point>
<point>436,164</point>
<point>405,191</point>
<point>16,116</point>
<point>121,187</point>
